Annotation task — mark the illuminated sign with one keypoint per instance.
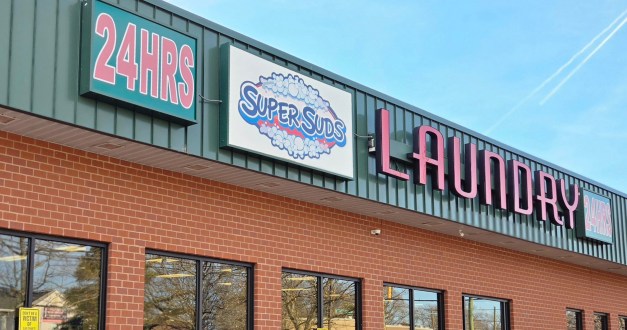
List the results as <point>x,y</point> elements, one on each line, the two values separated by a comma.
<point>595,218</point>
<point>133,61</point>
<point>283,114</point>
<point>485,175</point>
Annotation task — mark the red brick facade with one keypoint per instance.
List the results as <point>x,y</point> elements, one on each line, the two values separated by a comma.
<point>51,189</point>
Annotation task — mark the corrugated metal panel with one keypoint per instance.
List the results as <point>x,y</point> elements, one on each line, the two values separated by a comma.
<point>5,49</point>
<point>39,56</point>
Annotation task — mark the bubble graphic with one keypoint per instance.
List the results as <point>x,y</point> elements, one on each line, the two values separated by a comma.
<point>294,142</point>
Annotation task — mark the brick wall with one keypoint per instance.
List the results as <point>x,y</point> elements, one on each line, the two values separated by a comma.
<point>50,189</point>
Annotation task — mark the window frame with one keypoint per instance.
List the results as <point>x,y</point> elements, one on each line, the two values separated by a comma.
<point>505,313</point>
<point>440,304</point>
<point>198,260</point>
<point>320,293</point>
<point>30,271</point>
<point>578,317</point>
<point>624,319</point>
<point>605,325</point>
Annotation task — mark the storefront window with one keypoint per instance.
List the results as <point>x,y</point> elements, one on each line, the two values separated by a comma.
<point>224,296</point>
<point>485,313</point>
<point>312,301</point>
<point>172,291</point>
<point>573,320</point>
<point>396,308</point>
<point>66,285</point>
<point>408,308</point>
<point>339,303</point>
<point>13,271</point>
<point>600,321</point>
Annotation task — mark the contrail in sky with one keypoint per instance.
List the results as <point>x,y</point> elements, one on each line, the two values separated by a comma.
<point>585,60</point>
<point>562,68</point>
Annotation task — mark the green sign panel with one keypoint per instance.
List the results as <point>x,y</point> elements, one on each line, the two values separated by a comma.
<point>594,217</point>
<point>138,63</point>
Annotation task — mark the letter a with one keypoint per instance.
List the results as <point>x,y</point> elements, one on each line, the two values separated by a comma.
<point>422,160</point>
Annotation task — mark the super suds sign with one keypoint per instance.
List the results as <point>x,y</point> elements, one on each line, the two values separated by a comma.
<point>133,61</point>
<point>280,113</point>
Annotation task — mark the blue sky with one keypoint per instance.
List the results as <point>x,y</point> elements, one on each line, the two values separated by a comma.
<point>491,66</point>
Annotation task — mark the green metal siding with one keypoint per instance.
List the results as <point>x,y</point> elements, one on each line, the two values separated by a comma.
<point>39,56</point>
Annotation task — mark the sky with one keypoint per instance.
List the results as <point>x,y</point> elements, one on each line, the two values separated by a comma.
<point>545,77</point>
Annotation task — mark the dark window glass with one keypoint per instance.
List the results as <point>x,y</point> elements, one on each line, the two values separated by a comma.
<point>339,303</point>
<point>396,308</point>
<point>224,296</point>
<point>621,322</point>
<point>300,301</point>
<point>313,301</point>
<point>173,286</point>
<point>13,272</point>
<point>170,293</point>
<point>66,284</point>
<point>600,321</point>
<point>573,320</point>
<point>405,308</point>
<point>485,314</point>
<point>426,310</point>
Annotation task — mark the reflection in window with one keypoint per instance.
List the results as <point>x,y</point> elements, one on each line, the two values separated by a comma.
<point>13,270</point>
<point>485,314</point>
<point>224,289</point>
<point>300,301</point>
<point>339,303</point>
<point>573,320</point>
<point>426,310</point>
<point>312,301</point>
<point>396,308</point>
<point>173,284</point>
<point>66,284</point>
<point>621,322</point>
<point>407,308</point>
<point>600,321</point>
<point>169,293</point>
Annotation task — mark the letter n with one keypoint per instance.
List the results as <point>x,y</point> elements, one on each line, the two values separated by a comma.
<point>486,158</point>
<point>469,189</point>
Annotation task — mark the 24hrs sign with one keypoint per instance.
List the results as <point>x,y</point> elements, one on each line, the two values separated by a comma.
<point>136,62</point>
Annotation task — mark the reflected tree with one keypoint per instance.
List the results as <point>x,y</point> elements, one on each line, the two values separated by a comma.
<point>339,304</point>
<point>169,294</point>
<point>427,317</point>
<point>300,302</point>
<point>68,276</point>
<point>396,309</point>
<point>224,292</point>
<point>84,298</point>
<point>14,252</point>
